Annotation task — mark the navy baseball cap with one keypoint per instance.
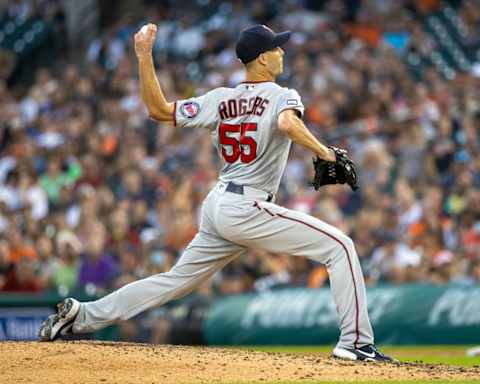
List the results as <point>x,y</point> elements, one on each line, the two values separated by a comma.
<point>258,39</point>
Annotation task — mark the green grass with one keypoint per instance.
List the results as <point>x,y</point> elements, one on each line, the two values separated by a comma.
<point>362,382</point>
<point>444,354</point>
<point>438,354</point>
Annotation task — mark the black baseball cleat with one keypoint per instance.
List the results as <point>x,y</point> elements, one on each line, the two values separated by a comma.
<point>60,323</point>
<point>365,353</point>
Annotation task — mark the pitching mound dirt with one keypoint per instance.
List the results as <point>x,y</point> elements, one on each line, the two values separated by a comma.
<point>99,362</point>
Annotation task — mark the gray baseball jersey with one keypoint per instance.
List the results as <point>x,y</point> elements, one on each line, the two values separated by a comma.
<point>243,124</point>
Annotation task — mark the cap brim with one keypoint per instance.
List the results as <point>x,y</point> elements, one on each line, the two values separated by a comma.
<point>281,38</point>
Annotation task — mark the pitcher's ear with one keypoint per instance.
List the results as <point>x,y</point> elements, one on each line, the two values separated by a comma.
<point>262,58</point>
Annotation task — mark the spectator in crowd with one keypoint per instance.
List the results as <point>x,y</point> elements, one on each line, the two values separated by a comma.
<point>97,267</point>
<point>394,261</point>
<point>5,264</point>
<point>19,246</point>
<point>65,274</point>
<point>23,278</point>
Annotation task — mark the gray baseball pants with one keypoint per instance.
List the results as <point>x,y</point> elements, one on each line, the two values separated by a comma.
<point>230,224</point>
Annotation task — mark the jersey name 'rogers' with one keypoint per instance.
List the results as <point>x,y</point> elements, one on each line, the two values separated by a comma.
<point>238,107</point>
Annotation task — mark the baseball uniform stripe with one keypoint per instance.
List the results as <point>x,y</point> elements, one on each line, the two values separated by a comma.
<point>255,82</point>
<point>270,213</point>
<point>175,114</point>
<point>348,258</point>
<point>293,109</point>
<point>349,264</point>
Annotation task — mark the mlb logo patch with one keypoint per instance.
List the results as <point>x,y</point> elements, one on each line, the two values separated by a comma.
<point>190,109</point>
<point>292,102</point>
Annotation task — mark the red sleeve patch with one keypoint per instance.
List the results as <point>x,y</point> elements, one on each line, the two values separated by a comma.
<point>190,109</point>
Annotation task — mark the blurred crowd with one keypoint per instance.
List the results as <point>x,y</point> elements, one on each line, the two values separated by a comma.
<point>94,195</point>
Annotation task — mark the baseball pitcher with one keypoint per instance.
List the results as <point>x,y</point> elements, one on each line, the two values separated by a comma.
<point>252,126</point>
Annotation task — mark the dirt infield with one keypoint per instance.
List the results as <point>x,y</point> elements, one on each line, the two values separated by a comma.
<point>100,362</point>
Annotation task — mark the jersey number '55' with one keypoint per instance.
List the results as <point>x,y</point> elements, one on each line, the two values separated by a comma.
<point>245,148</point>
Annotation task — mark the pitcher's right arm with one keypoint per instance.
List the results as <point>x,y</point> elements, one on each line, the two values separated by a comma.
<point>152,95</point>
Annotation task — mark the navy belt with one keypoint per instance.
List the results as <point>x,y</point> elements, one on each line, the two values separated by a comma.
<point>238,189</point>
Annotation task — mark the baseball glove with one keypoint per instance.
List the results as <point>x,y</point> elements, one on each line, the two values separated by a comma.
<point>340,172</point>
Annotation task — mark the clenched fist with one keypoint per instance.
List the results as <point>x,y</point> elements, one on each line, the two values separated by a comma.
<point>144,40</point>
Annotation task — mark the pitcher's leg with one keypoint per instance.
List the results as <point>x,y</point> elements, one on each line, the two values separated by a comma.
<point>204,256</point>
<point>277,229</point>
<point>348,289</point>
